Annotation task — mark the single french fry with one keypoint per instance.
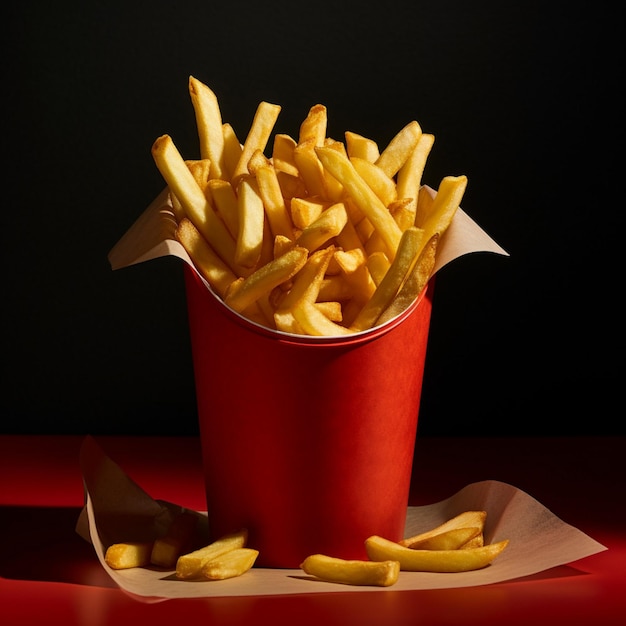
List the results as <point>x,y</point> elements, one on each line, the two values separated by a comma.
<point>361,147</point>
<point>452,539</point>
<point>304,211</point>
<point>409,177</point>
<point>310,168</point>
<point>381,184</point>
<point>378,264</point>
<point>245,292</point>
<point>229,565</point>
<point>209,125</point>
<point>381,549</point>
<point>178,539</point>
<point>395,155</point>
<point>272,197</point>
<point>225,201</point>
<point>351,572</point>
<point>128,555</point>
<point>282,154</point>
<point>251,215</point>
<point>391,283</point>
<point>190,565</point>
<point>313,127</point>
<point>463,520</point>
<point>257,138</point>
<point>232,150</point>
<point>342,169</point>
<point>444,206</point>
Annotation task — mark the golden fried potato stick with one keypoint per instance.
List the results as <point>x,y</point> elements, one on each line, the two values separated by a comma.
<point>229,565</point>
<point>409,177</point>
<point>395,155</point>
<point>232,150</point>
<point>313,127</point>
<point>462,520</point>
<point>282,154</point>
<point>225,201</point>
<point>209,265</point>
<point>444,206</point>
<point>195,204</point>
<point>413,285</point>
<point>310,168</point>
<point>392,281</point>
<point>361,147</point>
<point>257,138</point>
<point>334,189</point>
<point>305,211</point>
<point>271,194</point>
<point>365,199</point>
<point>190,565</point>
<point>178,539</point>
<point>378,264</point>
<point>251,217</point>
<point>128,555</point>
<point>383,186</point>
<point>244,292</point>
<point>209,125</point>
<point>380,549</point>
<point>452,539</point>
<point>351,572</point>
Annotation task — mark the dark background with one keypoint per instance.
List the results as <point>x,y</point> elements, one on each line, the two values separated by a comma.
<point>525,100</point>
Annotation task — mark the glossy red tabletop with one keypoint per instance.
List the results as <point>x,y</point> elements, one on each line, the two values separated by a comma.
<point>49,575</point>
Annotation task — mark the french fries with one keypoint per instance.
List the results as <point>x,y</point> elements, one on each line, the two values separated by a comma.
<point>463,560</point>
<point>128,555</point>
<point>352,572</point>
<point>249,222</point>
<point>226,557</point>
<point>454,546</point>
<point>190,565</point>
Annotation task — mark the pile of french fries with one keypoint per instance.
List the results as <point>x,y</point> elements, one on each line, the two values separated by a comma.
<point>457,545</point>
<point>320,237</point>
<point>226,557</point>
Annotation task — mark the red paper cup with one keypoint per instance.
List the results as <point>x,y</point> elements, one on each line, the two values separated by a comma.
<point>307,441</point>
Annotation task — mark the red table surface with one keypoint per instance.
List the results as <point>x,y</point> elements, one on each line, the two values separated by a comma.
<point>56,578</point>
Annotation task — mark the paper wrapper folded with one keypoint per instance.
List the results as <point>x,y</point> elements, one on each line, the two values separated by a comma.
<point>152,236</point>
<point>117,509</point>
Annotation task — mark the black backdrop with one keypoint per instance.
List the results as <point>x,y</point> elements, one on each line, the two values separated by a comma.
<point>526,100</point>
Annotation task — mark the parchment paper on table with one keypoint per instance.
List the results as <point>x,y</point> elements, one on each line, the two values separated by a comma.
<point>539,540</point>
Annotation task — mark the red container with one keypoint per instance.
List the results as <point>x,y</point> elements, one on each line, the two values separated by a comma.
<point>307,441</point>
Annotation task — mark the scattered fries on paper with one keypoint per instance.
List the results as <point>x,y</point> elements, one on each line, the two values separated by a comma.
<point>226,557</point>
<point>251,224</point>
<point>454,546</point>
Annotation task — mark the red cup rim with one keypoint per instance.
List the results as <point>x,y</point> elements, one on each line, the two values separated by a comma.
<point>327,340</point>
